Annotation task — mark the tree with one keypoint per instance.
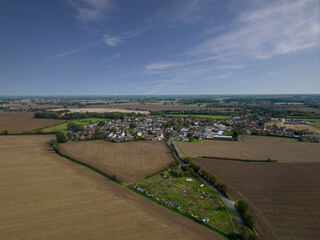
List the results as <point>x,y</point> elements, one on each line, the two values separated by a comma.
<point>249,220</point>
<point>133,125</point>
<point>75,126</point>
<point>235,135</point>
<point>222,188</point>
<point>61,138</point>
<point>242,206</point>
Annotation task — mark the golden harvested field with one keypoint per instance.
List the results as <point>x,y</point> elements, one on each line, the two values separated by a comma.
<point>44,196</point>
<point>283,197</point>
<point>130,161</point>
<point>19,122</point>
<point>253,148</point>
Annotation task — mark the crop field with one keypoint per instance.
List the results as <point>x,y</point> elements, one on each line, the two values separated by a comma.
<point>186,197</point>
<point>283,197</point>
<point>130,161</point>
<point>19,122</point>
<point>44,196</point>
<point>253,148</point>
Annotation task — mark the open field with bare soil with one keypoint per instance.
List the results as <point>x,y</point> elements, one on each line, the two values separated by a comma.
<point>100,110</point>
<point>283,197</point>
<point>44,196</point>
<point>130,161</point>
<point>253,148</point>
<point>19,122</point>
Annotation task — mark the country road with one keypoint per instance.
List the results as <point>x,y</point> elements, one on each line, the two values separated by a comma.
<point>226,201</point>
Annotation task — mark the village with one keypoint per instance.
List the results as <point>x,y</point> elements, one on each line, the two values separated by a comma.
<point>154,128</point>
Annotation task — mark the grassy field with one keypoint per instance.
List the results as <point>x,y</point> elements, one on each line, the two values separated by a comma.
<point>64,126</point>
<point>19,122</point>
<point>130,161</point>
<point>44,196</point>
<point>203,116</point>
<point>100,110</point>
<point>186,197</point>
<point>283,197</point>
<point>253,148</point>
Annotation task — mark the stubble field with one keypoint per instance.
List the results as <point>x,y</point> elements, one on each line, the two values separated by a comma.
<point>253,148</point>
<point>130,161</point>
<point>44,196</point>
<point>283,197</point>
<point>19,122</point>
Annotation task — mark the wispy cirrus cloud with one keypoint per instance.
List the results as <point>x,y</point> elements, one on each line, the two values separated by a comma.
<point>66,53</point>
<point>92,10</point>
<point>261,32</point>
<point>281,27</point>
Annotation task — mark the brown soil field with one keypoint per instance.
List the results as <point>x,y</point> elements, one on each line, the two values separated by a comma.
<point>101,110</point>
<point>283,197</point>
<point>44,196</point>
<point>157,107</point>
<point>130,161</point>
<point>19,122</point>
<point>253,148</point>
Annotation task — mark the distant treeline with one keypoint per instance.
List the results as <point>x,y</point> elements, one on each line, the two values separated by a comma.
<point>76,115</point>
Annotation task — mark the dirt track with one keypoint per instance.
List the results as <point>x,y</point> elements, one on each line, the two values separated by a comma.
<point>44,196</point>
<point>130,161</point>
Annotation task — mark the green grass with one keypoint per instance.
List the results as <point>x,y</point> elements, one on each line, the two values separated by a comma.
<point>227,134</point>
<point>64,126</point>
<point>314,135</point>
<point>188,198</point>
<point>203,116</point>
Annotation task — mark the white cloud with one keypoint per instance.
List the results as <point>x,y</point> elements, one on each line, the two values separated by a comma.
<point>112,41</point>
<point>92,10</point>
<point>66,53</point>
<point>279,28</point>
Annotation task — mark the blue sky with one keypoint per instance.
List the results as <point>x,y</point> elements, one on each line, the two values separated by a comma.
<point>112,47</point>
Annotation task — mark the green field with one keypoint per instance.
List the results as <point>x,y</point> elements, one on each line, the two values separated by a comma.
<point>64,126</point>
<point>203,116</point>
<point>227,134</point>
<point>186,197</point>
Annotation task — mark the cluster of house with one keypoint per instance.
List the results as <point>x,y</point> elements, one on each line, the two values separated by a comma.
<point>146,128</point>
<point>253,127</point>
<point>149,128</point>
<point>214,131</point>
<point>306,138</point>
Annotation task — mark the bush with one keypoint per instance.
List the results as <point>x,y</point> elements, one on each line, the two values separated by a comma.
<point>222,188</point>
<point>247,234</point>
<point>249,220</point>
<point>242,207</point>
<point>61,138</point>
<point>195,167</point>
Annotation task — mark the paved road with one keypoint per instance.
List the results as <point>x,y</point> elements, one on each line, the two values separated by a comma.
<point>226,201</point>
